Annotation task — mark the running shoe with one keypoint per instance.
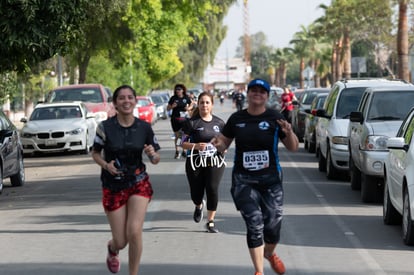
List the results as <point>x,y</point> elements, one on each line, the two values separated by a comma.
<point>276,264</point>
<point>258,273</point>
<point>198,213</point>
<point>112,260</point>
<point>211,227</point>
<point>177,155</point>
<point>184,154</point>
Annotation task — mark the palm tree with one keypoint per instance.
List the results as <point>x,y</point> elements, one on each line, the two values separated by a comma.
<point>402,40</point>
<point>301,49</point>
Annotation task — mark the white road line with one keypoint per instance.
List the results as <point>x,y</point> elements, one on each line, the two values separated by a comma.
<point>353,239</point>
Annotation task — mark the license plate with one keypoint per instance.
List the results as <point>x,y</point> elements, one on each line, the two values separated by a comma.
<point>51,142</point>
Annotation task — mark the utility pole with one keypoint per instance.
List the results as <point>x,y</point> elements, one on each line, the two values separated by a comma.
<point>246,39</point>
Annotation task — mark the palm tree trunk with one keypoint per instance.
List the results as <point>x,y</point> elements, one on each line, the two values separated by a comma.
<point>316,76</point>
<point>301,69</point>
<point>402,41</point>
<point>333,62</point>
<point>347,55</point>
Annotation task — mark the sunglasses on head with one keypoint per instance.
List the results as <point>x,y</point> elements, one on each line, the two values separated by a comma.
<point>179,89</point>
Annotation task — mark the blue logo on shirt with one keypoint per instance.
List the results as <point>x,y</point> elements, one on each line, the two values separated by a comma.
<point>264,125</point>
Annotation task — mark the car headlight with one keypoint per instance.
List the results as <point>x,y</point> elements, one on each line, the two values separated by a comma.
<point>340,140</point>
<point>76,131</point>
<point>100,116</point>
<point>27,134</point>
<point>376,143</point>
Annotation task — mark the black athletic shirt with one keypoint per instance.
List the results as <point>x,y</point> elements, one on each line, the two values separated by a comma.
<point>256,139</point>
<point>125,144</point>
<point>200,130</point>
<point>182,102</point>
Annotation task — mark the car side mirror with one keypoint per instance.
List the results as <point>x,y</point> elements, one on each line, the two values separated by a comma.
<point>23,119</point>
<point>322,113</point>
<point>356,117</point>
<point>397,143</point>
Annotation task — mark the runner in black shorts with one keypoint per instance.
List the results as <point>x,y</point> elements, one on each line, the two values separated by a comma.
<point>204,165</point>
<point>179,103</point>
<point>257,176</point>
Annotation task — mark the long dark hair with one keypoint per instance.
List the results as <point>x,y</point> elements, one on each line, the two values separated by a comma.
<point>182,86</point>
<point>196,112</point>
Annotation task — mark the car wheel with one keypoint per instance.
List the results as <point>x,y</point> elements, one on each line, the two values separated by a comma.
<point>408,224</point>
<point>355,175</point>
<point>331,171</point>
<point>86,150</point>
<point>370,189</point>
<point>317,152</point>
<point>1,182</point>
<point>321,162</point>
<point>18,178</point>
<point>389,214</point>
<point>312,145</point>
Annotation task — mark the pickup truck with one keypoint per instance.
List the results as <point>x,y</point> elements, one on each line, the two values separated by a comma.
<point>378,117</point>
<point>97,98</point>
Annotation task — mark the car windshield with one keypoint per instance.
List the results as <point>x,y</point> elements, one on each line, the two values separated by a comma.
<point>143,102</point>
<point>320,102</point>
<point>392,105</point>
<point>348,101</point>
<point>61,112</point>
<point>307,98</point>
<point>81,94</point>
<point>157,99</point>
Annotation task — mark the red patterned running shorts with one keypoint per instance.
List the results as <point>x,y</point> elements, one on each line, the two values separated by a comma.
<point>112,200</point>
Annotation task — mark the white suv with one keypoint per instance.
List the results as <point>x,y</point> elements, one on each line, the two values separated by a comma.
<point>332,127</point>
<point>378,117</point>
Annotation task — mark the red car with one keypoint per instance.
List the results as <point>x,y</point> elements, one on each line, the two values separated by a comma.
<point>97,98</point>
<point>145,109</point>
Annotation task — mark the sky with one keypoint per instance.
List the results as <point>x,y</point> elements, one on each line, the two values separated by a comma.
<point>279,20</point>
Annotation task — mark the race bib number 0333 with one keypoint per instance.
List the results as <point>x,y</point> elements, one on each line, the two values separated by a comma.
<point>255,160</point>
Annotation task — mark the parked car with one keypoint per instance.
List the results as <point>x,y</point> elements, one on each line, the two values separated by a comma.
<point>378,117</point>
<point>58,127</point>
<point>274,101</point>
<point>97,98</point>
<point>160,106</point>
<point>309,136</point>
<point>11,153</point>
<point>332,126</point>
<point>276,90</point>
<point>298,114</point>
<point>399,180</point>
<point>194,91</point>
<point>145,109</point>
<point>165,96</point>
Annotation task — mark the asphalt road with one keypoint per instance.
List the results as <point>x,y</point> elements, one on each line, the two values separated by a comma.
<point>55,223</point>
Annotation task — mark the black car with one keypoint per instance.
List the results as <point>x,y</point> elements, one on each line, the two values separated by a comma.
<point>298,113</point>
<point>11,153</point>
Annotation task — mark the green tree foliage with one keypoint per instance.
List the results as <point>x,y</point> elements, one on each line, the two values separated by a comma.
<point>103,31</point>
<point>175,40</point>
<point>33,31</point>
<point>201,50</point>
